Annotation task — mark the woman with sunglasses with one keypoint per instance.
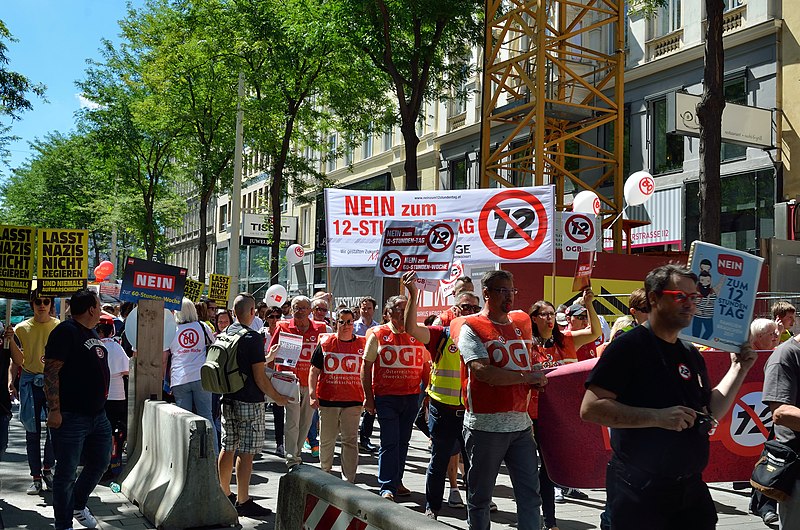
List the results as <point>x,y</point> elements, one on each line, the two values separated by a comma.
<point>552,348</point>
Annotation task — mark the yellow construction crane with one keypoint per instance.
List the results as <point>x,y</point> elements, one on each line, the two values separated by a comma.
<point>553,74</point>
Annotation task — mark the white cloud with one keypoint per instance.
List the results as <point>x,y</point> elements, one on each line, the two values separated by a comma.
<point>87,103</point>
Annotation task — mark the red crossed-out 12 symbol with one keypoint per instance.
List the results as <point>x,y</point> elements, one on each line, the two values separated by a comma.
<point>514,223</point>
<point>580,229</point>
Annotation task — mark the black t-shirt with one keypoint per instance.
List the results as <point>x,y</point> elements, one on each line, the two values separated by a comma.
<point>318,361</point>
<point>249,352</point>
<point>83,380</point>
<point>5,397</point>
<point>645,371</point>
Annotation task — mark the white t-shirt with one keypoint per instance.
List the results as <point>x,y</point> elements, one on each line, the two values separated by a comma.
<point>188,350</point>
<point>118,364</point>
<point>257,323</point>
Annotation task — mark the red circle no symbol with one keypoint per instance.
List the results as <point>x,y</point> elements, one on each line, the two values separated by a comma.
<point>580,229</point>
<point>513,224</point>
<point>188,338</point>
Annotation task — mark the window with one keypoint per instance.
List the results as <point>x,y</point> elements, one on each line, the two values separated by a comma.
<point>332,152</point>
<point>458,173</point>
<point>667,19</point>
<point>747,210</point>
<point>735,91</point>
<point>666,149</point>
<point>732,4</point>
<point>222,261</point>
<point>306,226</point>
<point>387,140</point>
<point>367,147</point>
<point>223,217</point>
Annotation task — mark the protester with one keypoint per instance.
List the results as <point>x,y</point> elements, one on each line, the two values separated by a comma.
<point>223,319</point>
<point>334,388</point>
<point>76,379</point>
<point>784,314</point>
<point>445,404</point>
<point>205,316</point>
<point>271,319</point>
<point>497,427</point>
<point>781,393</point>
<point>395,365</point>
<point>582,316</point>
<point>462,285</point>
<point>117,401</point>
<point>286,309</point>
<point>653,391</point>
<point>183,360</point>
<point>299,415</point>
<point>319,313</point>
<point>7,369</point>
<point>365,321</point>
<point>28,351</point>
<point>243,413</point>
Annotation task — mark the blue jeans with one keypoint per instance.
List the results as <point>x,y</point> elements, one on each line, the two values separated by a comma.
<point>4,421</point>
<point>699,323</point>
<point>396,415</point>
<point>79,434</point>
<point>313,431</point>
<point>445,425</point>
<point>486,451</point>
<point>33,439</point>
<point>192,397</point>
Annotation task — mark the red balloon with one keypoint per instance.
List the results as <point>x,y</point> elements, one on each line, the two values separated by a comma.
<point>103,270</point>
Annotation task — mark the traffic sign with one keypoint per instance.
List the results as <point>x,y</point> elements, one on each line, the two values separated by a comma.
<point>520,224</point>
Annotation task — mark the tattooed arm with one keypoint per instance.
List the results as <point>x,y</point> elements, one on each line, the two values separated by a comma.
<point>52,368</point>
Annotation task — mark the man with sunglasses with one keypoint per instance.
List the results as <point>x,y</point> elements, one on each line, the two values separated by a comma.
<point>653,391</point>
<point>463,285</point>
<point>28,351</point>
<point>334,388</point>
<point>445,405</point>
<point>496,347</point>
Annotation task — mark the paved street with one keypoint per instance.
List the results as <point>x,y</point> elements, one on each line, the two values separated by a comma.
<point>18,510</point>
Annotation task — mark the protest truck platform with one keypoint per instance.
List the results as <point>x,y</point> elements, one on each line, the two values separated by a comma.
<point>113,510</point>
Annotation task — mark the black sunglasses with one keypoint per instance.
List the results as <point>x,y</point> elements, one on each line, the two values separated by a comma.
<point>42,301</point>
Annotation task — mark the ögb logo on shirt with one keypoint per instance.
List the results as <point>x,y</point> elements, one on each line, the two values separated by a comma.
<point>520,224</point>
<point>511,355</point>
<point>306,351</point>
<point>188,338</point>
<point>401,356</point>
<point>684,372</point>
<point>342,363</point>
<point>746,427</point>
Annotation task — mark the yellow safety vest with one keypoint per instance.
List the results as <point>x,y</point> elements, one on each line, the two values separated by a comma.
<point>445,385</point>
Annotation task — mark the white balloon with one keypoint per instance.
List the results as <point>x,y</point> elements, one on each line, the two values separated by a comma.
<point>170,327</point>
<point>275,296</point>
<point>639,188</point>
<point>294,254</point>
<point>586,202</point>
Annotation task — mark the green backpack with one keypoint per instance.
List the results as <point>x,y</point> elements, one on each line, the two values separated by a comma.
<point>220,373</point>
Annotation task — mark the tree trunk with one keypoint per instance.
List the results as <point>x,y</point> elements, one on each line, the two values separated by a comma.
<point>275,194</point>
<point>709,113</point>
<point>202,245</point>
<point>411,142</point>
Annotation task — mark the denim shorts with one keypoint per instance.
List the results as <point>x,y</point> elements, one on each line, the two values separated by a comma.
<point>243,426</point>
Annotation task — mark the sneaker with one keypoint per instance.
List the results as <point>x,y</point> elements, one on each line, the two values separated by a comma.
<point>232,498</point>
<point>315,451</point>
<point>47,478</point>
<point>492,507</point>
<point>306,445</point>
<point>403,491</point>
<point>770,518</point>
<point>559,496</point>
<point>388,495</point>
<point>572,493</point>
<point>368,446</point>
<point>280,451</point>
<point>430,514</point>
<point>250,509</point>
<point>35,488</point>
<point>85,517</point>
<point>454,499</point>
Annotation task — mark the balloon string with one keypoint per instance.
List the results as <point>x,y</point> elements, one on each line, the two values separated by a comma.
<point>270,280</point>
<point>617,217</point>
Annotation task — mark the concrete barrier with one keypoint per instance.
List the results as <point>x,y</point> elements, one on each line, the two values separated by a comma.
<point>174,477</point>
<point>310,499</point>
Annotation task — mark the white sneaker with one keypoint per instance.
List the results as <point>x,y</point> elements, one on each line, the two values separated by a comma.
<point>85,517</point>
<point>454,499</point>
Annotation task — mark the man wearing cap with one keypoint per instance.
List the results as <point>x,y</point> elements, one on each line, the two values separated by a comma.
<point>496,347</point>
<point>463,285</point>
<point>580,318</point>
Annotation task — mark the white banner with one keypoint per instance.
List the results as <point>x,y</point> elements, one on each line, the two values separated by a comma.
<point>494,225</point>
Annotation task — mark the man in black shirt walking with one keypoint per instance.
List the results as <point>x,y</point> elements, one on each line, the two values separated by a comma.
<point>76,380</point>
<point>653,391</point>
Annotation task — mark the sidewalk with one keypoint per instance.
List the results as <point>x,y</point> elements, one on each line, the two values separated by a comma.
<point>21,511</point>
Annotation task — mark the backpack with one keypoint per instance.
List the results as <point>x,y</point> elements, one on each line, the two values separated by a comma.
<point>220,373</point>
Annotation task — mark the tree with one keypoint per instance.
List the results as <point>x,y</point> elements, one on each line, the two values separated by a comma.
<point>420,47</point>
<point>709,114</point>
<point>14,91</point>
<point>302,80</point>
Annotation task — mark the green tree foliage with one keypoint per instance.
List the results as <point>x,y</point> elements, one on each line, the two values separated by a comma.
<point>15,89</point>
<point>422,49</point>
<point>302,80</point>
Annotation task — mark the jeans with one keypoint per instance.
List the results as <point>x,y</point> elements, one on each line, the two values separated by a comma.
<point>546,486</point>
<point>79,434</point>
<point>367,425</point>
<point>33,440</point>
<point>4,421</point>
<point>699,323</point>
<point>789,511</point>
<point>486,451</point>
<point>192,397</point>
<point>445,425</point>
<point>313,431</point>
<point>396,415</point>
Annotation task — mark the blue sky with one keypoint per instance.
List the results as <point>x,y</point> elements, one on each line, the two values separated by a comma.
<point>55,37</point>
